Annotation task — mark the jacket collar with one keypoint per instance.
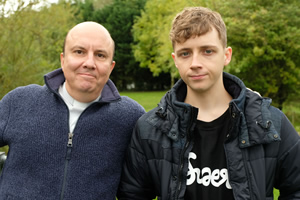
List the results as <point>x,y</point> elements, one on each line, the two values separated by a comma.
<point>250,113</point>
<point>54,79</point>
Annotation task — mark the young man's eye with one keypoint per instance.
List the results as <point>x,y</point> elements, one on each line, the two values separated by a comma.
<point>184,54</point>
<point>208,51</point>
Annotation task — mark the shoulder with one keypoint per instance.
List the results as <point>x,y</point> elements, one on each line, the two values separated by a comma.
<point>129,104</point>
<point>126,108</point>
<point>152,124</point>
<point>256,105</point>
<point>25,91</point>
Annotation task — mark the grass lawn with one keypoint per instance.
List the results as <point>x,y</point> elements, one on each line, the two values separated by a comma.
<point>148,100</point>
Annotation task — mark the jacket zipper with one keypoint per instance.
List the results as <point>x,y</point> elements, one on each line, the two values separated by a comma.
<point>180,175</point>
<point>247,173</point>
<point>68,158</point>
<point>181,168</point>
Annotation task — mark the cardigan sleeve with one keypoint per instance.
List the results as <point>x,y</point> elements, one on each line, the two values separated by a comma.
<point>4,116</point>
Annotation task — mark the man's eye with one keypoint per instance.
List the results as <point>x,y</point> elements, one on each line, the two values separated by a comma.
<point>208,51</point>
<point>184,54</point>
<point>100,55</point>
<point>78,51</point>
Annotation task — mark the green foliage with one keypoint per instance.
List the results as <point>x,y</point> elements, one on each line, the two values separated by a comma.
<point>99,4</point>
<point>151,33</point>
<point>265,36</point>
<point>31,43</point>
<point>118,18</point>
<point>292,110</point>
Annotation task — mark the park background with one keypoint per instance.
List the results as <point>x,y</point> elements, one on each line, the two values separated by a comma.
<point>264,35</point>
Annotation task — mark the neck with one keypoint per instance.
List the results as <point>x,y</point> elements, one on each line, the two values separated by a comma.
<point>83,97</point>
<point>211,104</point>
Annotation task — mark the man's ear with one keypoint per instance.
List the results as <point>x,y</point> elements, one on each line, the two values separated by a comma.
<point>174,58</point>
<point>113,63</point>
<point>227,56</point>
<point>62,60</point>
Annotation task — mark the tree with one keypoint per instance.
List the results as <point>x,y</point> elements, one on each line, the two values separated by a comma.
<point>265,36</point>
<point>118,18</point>
<point>31,42</point>
<point>153,47</point>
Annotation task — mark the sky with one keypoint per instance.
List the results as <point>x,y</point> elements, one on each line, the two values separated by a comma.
<point>13,4</point>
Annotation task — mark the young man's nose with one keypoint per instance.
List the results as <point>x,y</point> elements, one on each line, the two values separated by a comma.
<point>196,61</point>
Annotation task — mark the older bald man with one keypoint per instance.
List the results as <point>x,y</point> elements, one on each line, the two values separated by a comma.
<point>67,138</point>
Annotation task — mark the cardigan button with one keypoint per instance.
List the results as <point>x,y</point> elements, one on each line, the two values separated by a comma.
<point>243,141</point>
<point>275,136</point>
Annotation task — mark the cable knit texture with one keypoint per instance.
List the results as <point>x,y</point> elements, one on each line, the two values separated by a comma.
<point>40,165</point>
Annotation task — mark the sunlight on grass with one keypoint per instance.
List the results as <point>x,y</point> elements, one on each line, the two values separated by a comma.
<point>148,100</point>
<point>276,194</point>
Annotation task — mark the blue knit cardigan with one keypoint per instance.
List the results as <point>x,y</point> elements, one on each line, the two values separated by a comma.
<point>44,163</point>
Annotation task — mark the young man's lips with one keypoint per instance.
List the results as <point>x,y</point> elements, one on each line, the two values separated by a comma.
<point>199,76</point>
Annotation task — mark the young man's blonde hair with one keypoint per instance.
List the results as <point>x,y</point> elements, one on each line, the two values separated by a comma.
<point>197,21</point>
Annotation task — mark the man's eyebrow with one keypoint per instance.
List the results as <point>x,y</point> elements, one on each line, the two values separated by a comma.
<point>77,47</point>
<point>100,50</point>
<point>103,51</point>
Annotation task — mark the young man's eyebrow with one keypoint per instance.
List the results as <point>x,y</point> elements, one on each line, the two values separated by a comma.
<point>200,47</point>
<point>183,49</point>
<point>208,46</point>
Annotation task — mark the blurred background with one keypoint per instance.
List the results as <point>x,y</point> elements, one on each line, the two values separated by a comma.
<point>264,35</point>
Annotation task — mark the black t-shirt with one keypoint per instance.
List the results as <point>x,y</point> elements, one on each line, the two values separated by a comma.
<point>207,176</point>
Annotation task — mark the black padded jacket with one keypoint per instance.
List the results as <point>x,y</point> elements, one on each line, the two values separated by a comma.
<point>262,148</point>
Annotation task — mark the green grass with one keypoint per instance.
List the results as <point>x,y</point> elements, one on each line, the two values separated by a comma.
<point>276,194</point>
<point>148,100</point>
<point>292,111</point>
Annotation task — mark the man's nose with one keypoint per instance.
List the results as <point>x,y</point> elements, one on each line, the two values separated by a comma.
<point>90,61</point>
<point>196,60</point>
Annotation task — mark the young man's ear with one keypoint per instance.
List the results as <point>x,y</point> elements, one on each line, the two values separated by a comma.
<point>227,56</point>
<point>173,56</point>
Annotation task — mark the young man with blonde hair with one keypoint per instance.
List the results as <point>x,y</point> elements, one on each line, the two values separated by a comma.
<point>210,137</point>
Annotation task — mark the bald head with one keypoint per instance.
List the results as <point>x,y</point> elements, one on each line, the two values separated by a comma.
<point>85,29</point>
<point>87,61</point>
